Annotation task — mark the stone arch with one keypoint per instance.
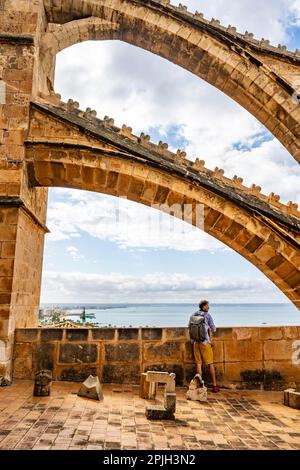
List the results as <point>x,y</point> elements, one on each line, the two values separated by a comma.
<point>95,169</point>
<point>249,75</point>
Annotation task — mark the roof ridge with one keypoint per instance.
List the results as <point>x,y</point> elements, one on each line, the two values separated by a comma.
<point>231,30</point>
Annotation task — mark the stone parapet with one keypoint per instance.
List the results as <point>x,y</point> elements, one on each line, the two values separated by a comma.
<point>247,358</point>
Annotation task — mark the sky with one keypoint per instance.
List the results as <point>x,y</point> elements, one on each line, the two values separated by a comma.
<point>105,249</point>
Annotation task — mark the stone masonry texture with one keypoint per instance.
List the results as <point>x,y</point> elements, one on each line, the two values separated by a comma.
<point>47,143</point>
<point>261,358</point>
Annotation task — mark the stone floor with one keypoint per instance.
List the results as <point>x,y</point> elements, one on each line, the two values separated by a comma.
<point>230,420</point>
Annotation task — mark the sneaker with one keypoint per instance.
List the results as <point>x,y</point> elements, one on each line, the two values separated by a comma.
<point>215,389</point>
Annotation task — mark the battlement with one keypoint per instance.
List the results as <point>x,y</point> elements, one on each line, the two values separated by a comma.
<point>231,31</point>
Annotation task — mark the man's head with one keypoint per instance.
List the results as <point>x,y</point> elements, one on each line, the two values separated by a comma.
<point>204,305</point>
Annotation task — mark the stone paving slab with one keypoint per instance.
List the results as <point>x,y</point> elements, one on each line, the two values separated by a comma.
<point>230,420</point>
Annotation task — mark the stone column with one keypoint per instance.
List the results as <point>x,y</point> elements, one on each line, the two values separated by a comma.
<point>22,210</point>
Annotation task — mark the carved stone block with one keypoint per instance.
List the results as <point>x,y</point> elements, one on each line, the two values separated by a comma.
<point>197,390</point>
<point>292,398</point>
<point>161,412</point>
<point>144,386</point>
<point>42,383</point>
<point>158,412</point>
<point>170,402</point>
<point>91,388</point>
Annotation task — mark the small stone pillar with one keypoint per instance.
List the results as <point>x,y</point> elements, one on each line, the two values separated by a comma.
<point>152,390</point>
<point>144,386</point>
<point>42,383</point>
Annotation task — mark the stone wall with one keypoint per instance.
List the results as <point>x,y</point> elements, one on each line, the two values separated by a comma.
<point>259,358</point>
<point>22,209</point>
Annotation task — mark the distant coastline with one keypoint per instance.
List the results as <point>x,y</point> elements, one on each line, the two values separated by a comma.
<point>107,305</point>
<point>177,314</point>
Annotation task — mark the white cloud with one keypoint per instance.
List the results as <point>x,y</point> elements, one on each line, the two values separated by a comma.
<point>163,287</point>
<point>127,223</point>
<point>74,252</point>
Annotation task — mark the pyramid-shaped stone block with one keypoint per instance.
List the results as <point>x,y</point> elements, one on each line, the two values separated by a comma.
<point>91,388</point>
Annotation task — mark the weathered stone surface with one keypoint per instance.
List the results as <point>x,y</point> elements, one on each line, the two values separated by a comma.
<point>152,333</point>
<point>4,382</point>
<point>78,353</point>
<point>170,401</point>
<point>76,374</point>
<point>289,371</point>
<point>122,352</point>
<point>44,356</point>
<point>51,334</point>
<point>274,380</point>
<point>117,373</point>
<point>23,361</point>
<point>279,372</point>
<point>218,351</point>
<point>169,350</point>
<point>158,412</point>
<point>234,370</point>
<point>153,386</point>
<point>177,369</point>
<point>23,368</point>
<point>188,352</point>
<point>157,376</point>
<point>223,334</point>
<point>247,349</point>
<point>77,334</point>
<point>26,335</point>
<point>42,383</point>
<point>173,333</point>
<point>290,332</point>
<point>154,378</point>
<point>278,350</point>
<point>144,386</point>
<point>128,333</point>
<point>23,350</point>
<point>292,398</point>
<point>270,333</point>
<point>197,390</point>
<point>91,388</point>
<point>190,371</point>
<point>246,333</point>
<point>262,379</point>
<point>253,379</point>
<point>103,333</point>
<point>220,376</point>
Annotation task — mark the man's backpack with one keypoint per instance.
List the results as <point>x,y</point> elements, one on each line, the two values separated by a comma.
<point>197,328</point>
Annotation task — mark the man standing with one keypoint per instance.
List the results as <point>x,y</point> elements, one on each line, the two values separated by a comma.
<point>203,349</point>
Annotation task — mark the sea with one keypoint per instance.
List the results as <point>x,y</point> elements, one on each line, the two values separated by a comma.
<point>171,314</point>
